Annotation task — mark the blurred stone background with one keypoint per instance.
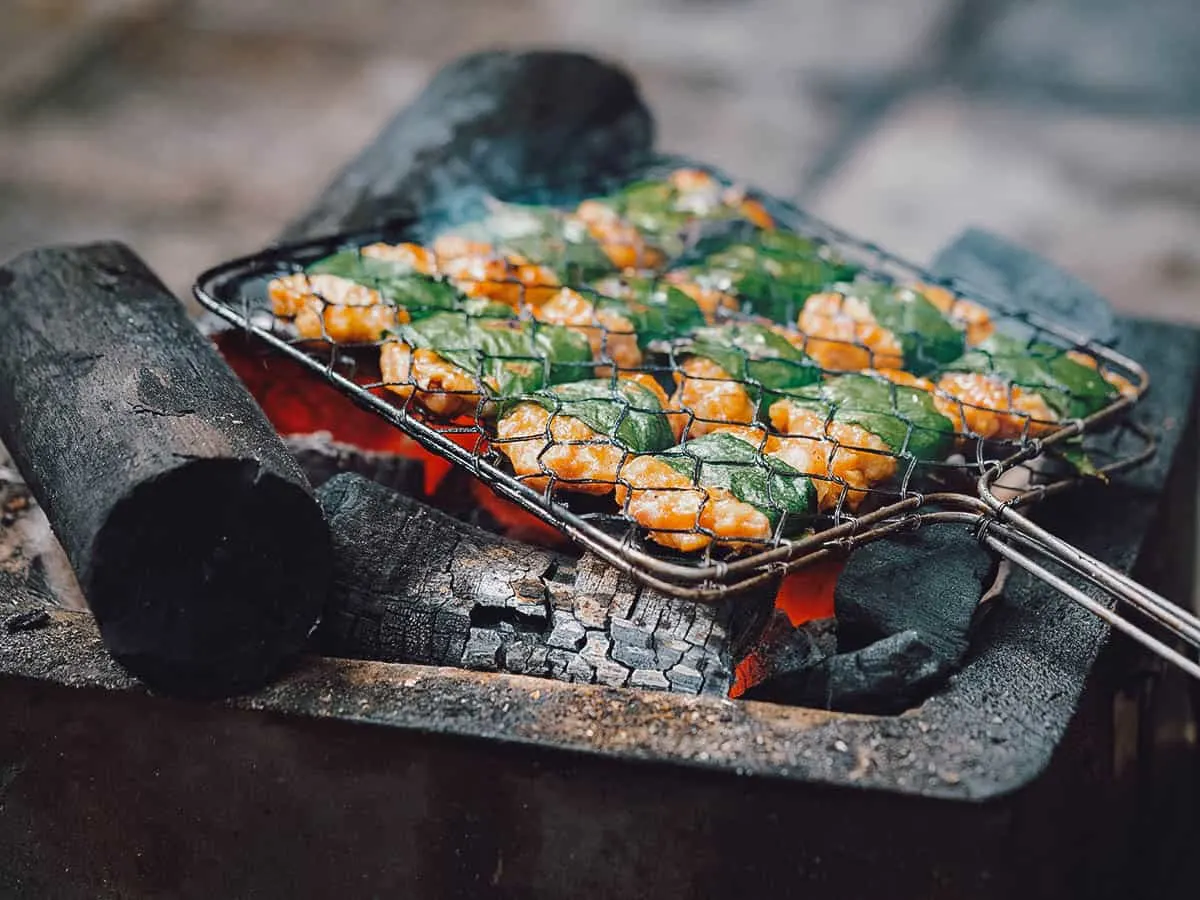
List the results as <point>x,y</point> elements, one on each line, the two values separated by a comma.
<point>194,128</point>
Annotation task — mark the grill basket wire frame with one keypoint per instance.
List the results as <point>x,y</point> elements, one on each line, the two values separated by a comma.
<point>970,489</point>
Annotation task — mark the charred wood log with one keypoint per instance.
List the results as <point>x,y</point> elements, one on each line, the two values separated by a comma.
<point>496,121</point>
<point>323,458</point>
<point>198,543</point>
<point>412,584</point>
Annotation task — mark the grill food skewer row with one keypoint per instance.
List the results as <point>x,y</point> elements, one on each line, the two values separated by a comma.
<point>728,371</point>
<point>729,487</point>
<point>852,432</point>
<point>919,384</point>
<point>581,432</point>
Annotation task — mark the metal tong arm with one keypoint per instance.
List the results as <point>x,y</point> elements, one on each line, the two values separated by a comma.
<point>1015,537</point>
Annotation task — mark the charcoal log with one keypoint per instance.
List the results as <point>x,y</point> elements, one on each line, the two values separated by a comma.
<point>496,122</point>
<point>929,582</point>
<point>904,610</point>
<point>412,584</point>
<point>322,458</point>
<point>196,537</point>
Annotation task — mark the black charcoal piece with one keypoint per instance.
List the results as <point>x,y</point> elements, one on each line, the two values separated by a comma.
<point>904,610</point>
<point>195,535</point>
<point>1004,273</point>
<point>929,582</point>
<point>494,122</point>
<point>888,676</point>
<point>321,458</point>
<point>786,656</point>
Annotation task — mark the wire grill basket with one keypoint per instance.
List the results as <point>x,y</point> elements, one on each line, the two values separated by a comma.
<point>704,386</point>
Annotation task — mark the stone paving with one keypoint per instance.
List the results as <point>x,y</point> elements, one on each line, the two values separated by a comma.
<point>193,129</point>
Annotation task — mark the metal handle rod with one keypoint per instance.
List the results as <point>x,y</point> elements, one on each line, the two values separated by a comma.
<point>1117,583</point>
<point>1094,606</point>
<point>1165,613</point>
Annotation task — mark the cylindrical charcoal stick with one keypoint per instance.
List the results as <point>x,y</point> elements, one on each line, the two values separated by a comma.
<point>199,545</point>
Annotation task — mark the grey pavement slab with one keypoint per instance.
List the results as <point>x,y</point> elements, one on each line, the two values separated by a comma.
<point>1113,200</point>
<point>1140,56</point>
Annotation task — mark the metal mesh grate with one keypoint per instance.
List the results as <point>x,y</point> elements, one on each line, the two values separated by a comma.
<point>702,385</point>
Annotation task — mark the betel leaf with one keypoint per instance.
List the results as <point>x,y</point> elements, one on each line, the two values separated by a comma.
<point>1070,388</point>
<point>773,274</point>
<point>626,412</point>
<point>648,205</point>
<point>928,339</point>
<point>518,357</point>
<point>904,418</point>
<point>658,312</point>
<point>1074,453</point>
<point>670,218</point>
<point>753,353</point>
<point>396,282</point>
<point>543,235</point>
<point>486,308</point>
<point>723,460</point>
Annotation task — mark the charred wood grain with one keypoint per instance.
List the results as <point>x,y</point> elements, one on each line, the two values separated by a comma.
<point>197,540</point>
<point>412,584</point>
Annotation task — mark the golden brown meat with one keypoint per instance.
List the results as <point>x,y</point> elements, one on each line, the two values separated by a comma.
<point>609,333</point>
<point>622,243</point>
<point>841,334</point>
<point>702,194</point>
<point>419,259</point>
<point>992,409</point>
<point>672,508</point>
<point>709,299</point>
<point>972,318</point>
<point>712,396</point>
<point>579,458</point>
<point>839,457</point>
<point>478,270</point>
<point>333,308</point>
<point>439,386</point>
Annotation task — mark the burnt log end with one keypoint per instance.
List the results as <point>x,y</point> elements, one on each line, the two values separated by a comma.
<point>412,584</point>
<point>198,543</point>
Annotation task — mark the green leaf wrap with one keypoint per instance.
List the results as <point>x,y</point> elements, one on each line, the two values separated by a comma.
<point>904,418</point>
<point>658,312</point>
<point>628,413</point>
<point>520,356</point>
<point>396,282</point>
<point>726,461</point>
<point>1071,389</point>
<point>753,353</point>
<point>772,275</point>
